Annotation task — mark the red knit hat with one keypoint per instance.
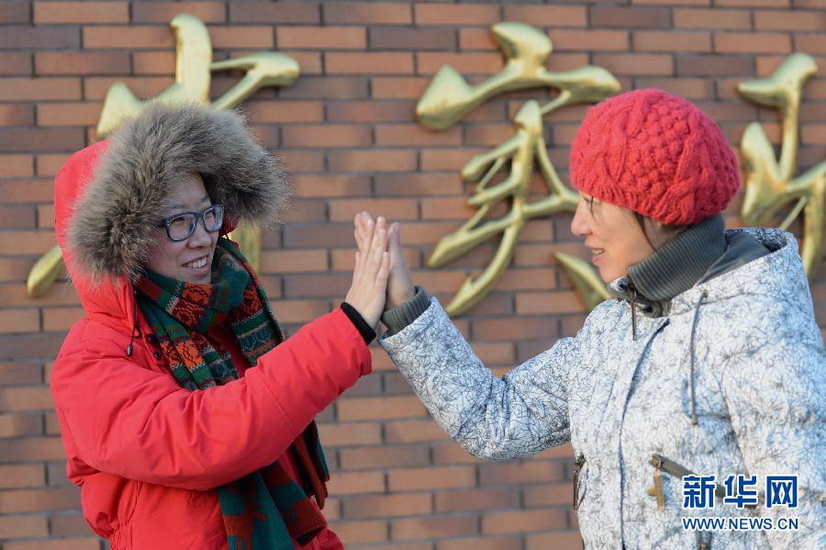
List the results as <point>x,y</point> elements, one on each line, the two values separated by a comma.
<point>656,154</point>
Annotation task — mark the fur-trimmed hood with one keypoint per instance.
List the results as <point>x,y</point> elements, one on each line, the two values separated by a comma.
<point>110,231</point>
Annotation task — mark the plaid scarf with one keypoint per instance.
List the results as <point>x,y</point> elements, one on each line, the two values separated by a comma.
<point>265,509</point>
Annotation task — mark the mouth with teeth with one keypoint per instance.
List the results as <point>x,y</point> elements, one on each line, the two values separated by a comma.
<point>197,264</point>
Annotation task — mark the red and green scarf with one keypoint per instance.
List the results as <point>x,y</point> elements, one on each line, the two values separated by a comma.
<point>266,509</point>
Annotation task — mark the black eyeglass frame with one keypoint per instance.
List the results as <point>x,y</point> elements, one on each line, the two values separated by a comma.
<point>199,216</point>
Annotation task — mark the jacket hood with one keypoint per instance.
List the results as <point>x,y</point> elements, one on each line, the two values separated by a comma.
<point>115,217</point>
<point>110,195</point>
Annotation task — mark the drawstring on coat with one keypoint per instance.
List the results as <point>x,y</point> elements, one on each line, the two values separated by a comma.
<point>703,296</point>
<point>135,330</point>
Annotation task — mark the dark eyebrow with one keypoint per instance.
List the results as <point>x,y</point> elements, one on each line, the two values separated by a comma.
<point>204,199</point>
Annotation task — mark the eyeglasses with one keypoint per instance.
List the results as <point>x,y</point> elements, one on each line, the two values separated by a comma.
<point>181,226</point>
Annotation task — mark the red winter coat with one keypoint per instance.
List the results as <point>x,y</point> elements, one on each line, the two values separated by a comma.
<point>146,453</point>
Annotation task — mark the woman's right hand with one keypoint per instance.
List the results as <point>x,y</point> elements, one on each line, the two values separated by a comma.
<point>370,273</point>
<point>400,287</point>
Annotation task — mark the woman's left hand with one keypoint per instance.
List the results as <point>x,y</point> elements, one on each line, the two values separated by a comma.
<point>367,292</point>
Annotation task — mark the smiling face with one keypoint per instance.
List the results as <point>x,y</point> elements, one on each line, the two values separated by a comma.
<point>613,236</point>
<point>189,260</point>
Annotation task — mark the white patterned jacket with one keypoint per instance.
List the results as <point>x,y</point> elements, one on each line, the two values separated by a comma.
<point>759,378</point>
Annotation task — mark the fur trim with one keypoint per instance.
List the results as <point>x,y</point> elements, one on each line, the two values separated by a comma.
<point>112,230</point>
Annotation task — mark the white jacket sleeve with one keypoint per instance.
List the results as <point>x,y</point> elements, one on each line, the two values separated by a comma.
<point>494,419</point>
<point>776,396</point>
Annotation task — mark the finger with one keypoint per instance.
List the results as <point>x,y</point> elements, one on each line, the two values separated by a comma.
<point>361,228</point>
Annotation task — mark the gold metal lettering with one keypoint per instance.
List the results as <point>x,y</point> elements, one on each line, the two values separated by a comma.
<point>193,75</point>
<point>770,184</point>
<point>449,98</point>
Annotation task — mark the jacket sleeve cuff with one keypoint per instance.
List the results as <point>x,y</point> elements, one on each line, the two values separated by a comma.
<point>398,318</point>
<point>355,317</point>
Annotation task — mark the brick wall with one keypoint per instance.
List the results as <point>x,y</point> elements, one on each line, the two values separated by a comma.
<point>347,133</point>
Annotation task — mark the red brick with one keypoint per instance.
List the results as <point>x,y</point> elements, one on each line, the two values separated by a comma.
<point>413,431</point>
<point>39,500</point>
<point>521,472</point>
<point>464,63</point>
<point>62,13</point>
<point>81,63</point>
<point>392,209</point>
<point>62,544</point>
<point>285,111</point>
<point>793,21</point>
<point>752,43</point>
<point>369,63</point>
<point>635,64</point>
<point>388,13</point>
<point>523,521</point>
<point>370,458</point>
<point>15,270</point>
<point>553,494</point>
<point>448,477</point>
<point>321,38</point>
<point>355,532</point>
<point>19,346</point>
<point>553,16</point>
<point>327,87</point>
<point>343,434</point>
<point>26,242</point>
<point>354,483</point>
<point>155,63</point>
<point>332,185</point>
<point>399,87</point>
<point>548,303</point>
<point>23,526</point>
<point>163,12</point>
<point>755,3</point>
<point>96,88</point>
<point>629,17</point>
<point>13,374</point>
<point>302,161</point>
<point>690,88</point>
<point>713,65</point>
<point>374,408</point>
<point>590,40</point>
<point>19,425</point>
<point>39,38</point>
<point>484,543</point>
<point>416,39</point>
<point>707,19</point>
<point>68,114</point>
<point>375,160</point>
<point>326,135</point>
<point>477,499</point>
<point>16,321</point>
<point>370,111</point>
<point>476,39</point>
<point>448,208</point>
<point>45,216</point>
<point>412,135</point>
<point>674,2</point>
<point>15,64</point>
<point>15,12</point>
<point>294,261</point>
<point>61,318</point>
<point>432,527</point>
<point>242,37</point>
<point>129,38</point>
<point>255,12</point>
<point>34,89</point>
<point>16,217</point>
<point>447,159</point>
<point>26,399</point>
<point>387,505</point>
<point>663,41</point>
<point>464,14</point>
<point>489,135</point>
<point>317,286</point>
<point>415,185</point>
<point>68,525</point>
<point>48,165</point>
<point>570,540</point>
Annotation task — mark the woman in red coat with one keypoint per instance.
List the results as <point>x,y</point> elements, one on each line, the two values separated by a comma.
<point>187,421</point>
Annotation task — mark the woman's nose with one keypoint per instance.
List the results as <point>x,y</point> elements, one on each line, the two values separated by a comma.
<point>579,225</point>
<point>200,237</point>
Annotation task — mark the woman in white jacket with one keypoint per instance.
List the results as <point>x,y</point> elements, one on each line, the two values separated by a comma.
<point>708,362</point>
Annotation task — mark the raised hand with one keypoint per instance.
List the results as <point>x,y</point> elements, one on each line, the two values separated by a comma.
<point>400,285</point>
<point>369,287</point>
